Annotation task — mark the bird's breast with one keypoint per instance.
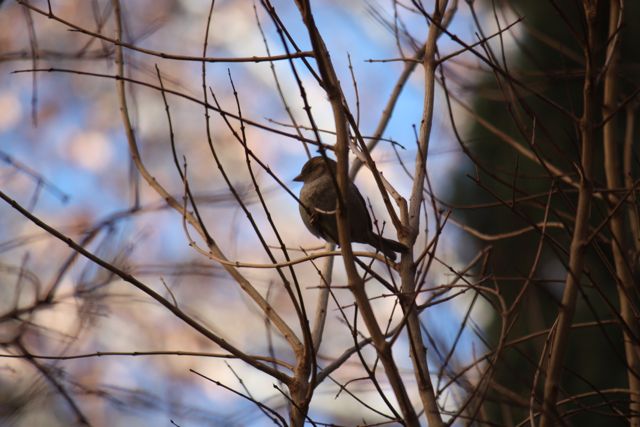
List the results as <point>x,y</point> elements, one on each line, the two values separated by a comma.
<point>320,194</point>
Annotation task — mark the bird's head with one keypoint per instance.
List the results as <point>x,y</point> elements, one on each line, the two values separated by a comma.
<point>315,168</point>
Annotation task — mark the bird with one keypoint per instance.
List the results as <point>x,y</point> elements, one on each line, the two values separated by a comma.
<point>319,197</point>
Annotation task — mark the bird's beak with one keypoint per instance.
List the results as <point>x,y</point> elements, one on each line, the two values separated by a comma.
<point>299,178</point>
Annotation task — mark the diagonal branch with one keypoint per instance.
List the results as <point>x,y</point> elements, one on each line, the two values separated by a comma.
<point>244,284</point>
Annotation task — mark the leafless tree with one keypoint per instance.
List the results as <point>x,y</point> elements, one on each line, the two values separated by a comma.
<point>155,266</point>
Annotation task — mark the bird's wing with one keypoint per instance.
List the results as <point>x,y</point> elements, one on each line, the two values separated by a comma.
<point>362,208</point>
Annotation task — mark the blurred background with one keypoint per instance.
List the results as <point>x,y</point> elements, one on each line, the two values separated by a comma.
<point>64,157</point>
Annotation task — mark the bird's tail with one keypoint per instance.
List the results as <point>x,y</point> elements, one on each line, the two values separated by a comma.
<point>387,246</point>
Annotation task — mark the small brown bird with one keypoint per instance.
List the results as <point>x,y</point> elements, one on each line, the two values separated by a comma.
<point>319,197</point>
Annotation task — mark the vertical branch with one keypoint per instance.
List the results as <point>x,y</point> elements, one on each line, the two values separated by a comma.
<point>33,43</point>
<point>627,156</point>
<point>412,223</point>
<point>619,241</point>
<point>320,317</point>
<point>579,238</point>
<point>331,86</point>
<point>429,63</point>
